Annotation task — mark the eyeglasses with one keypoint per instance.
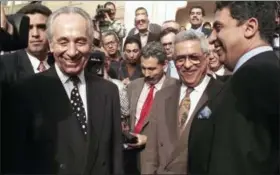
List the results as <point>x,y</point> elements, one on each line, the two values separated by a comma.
<point>140,21</point>
<point>111,43</point>
<point>194,59</point>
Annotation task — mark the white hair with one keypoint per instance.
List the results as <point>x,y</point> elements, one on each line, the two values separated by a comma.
<point>191,36</point>
<point>69,10</point>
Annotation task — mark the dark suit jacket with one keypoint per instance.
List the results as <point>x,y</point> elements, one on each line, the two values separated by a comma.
<point>243,137</point>
<point>14,67</point>
<point>134,91</point>
<point>49,138</point>
<point>151,37</point>
<point>166,152</point>
<point>154,28</point>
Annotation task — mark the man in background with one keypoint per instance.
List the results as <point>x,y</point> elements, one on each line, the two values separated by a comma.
<point>196,19</point>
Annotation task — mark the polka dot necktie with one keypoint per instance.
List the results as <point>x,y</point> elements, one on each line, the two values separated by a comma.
<point>77,105</point>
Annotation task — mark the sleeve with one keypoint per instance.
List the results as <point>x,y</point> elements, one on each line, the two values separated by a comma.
<point>150,155</point>
<point>117,147</point>
<point>119,28</point>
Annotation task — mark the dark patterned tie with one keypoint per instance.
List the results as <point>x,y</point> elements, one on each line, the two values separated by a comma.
<point>41,67</point>
<point>77,105</point>
<point>184,108</point>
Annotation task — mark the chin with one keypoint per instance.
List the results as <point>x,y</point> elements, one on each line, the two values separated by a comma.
<point>73,71</point>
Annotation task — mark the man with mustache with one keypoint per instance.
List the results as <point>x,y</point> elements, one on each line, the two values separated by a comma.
<point>244,138</point>
<point>196,19</point>
<point>68,120</point>
<point>141,93</point>
<point>180,112</point>
<point>18,66</point>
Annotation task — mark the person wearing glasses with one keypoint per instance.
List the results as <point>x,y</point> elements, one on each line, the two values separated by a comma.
<point>144,34</point>
<point>176,108</point>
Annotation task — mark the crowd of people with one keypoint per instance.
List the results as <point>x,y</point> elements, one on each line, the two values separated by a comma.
<point>169,100</point>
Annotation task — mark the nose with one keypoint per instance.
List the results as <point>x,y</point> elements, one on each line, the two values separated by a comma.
<point>147,73</point>
<point>72,50</point>
<point>187,64</point>
<point>34,32</point>
<point>213,37</point>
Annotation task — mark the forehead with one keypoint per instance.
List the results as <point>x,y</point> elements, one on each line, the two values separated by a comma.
<point>109,38</point>
<point>69,25</point>
<point>168,37</point>
<point>211,47</point>
<point>223,16</point>
<point>196,10</point>
<point>149,62</point>
<point>131,46</point>
<point>141,12</point>
<point>139,17</point>
<point>188,47</point>
<point>37,18</point>
<point>110,6</point>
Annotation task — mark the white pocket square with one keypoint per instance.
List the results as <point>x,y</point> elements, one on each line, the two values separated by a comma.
<point>204,113</point>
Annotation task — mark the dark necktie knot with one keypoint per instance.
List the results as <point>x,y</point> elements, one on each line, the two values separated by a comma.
<point>189,90</point>
<point>75,80</point>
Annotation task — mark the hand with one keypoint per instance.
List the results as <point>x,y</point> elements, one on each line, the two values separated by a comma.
<point>107,18</point>
<point>5,25</point>
<point>126,81</point>
<point>142,140</point>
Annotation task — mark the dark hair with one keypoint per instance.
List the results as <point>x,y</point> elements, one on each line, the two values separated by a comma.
<point>154,49</point>
<point>263,11</point>
<point>141,8</point>
<point>197,7</point>
<point>130,40</point>
<point>206,23</point>
<point>109,3</point>
<point>167,31</point>
<point>35,8</point>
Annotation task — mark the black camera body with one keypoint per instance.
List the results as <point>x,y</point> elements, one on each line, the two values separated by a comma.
<point>19,39</point>
<point>95,63</point>
<point>100,12</point>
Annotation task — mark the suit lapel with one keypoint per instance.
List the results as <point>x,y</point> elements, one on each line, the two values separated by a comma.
<point>136,91</point>
<point>26,68</point>
<point>182,143</point>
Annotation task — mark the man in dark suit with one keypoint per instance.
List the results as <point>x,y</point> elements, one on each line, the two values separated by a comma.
<point>196,19</point>
<point>245,114</point>
<point>67,120</point>
<point>144,35</point>
<point>179,106</point>
<point>22,64</point>
<point>141,92</point>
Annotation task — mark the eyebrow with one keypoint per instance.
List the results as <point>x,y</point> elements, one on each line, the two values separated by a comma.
<point>217,23</point>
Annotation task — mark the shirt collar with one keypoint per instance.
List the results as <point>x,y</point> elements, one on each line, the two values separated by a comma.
<point>64,78</point>
<point>34,61</point>
<point>137,31</point>
<point>247,56</point>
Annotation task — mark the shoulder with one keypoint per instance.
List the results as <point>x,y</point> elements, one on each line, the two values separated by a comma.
<point>117,82</point>
<point>136,82</point>
<point>102,85</point>
<point>171,89</point>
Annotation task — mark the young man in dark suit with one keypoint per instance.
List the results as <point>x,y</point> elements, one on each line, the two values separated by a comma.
<point>67,120</point>
<point>245,114</point>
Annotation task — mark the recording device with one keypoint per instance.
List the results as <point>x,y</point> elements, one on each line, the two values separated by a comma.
<point>95,63</point>
<point>100,12</point>
<point>129,138</point>
<point>19,39</point>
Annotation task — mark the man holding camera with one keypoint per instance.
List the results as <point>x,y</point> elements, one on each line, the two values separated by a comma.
<point>105,20</point>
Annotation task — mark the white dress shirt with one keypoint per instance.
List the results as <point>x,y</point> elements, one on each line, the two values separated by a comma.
<point>195,94</point>
<point>219,72</point>
<point>35,63</point>
<point>247,56</point>
<point>144,94</point>
<point>173,70</point>
<point>68,86</point>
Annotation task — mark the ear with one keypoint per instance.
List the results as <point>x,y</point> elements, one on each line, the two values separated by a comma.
<point>165,64</point>
<point>251,27</point>
<point>51,46</point>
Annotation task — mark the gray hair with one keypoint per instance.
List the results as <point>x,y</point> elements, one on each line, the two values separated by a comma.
<point>69,10</point>
<point>191,36</point>
<point>154,49</point>
<point>110,33</point>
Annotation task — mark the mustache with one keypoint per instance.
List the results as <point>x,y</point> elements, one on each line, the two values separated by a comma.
<point>148,78</point>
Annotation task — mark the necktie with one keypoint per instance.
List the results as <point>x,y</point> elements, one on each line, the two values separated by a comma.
<point>184,108</point>
<point>77,105</point>
<point>145,110</point>
<point>41,67</point>
<point>168,71</point>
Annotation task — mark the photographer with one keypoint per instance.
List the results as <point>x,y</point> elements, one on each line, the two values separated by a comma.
<point>105,20</point>
<point>5,25</point>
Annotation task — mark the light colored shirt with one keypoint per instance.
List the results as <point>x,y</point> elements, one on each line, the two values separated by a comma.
<point>35,63</point>
<point>247,56</point>
<point>144,94</point>
<point>197,30</point>
<point>68,86</point>
<point>172,70</point>
<point>219,72</point>
<point>144,38</point>
<point>195,94</point>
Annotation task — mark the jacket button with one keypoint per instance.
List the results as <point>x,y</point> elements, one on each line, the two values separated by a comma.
<point>62,166</point>
<point>161,144</point>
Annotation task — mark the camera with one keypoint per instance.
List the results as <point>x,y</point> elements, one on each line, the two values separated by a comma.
<point>95,63</point>
<point>19,38</point>
<point>100,12</point>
